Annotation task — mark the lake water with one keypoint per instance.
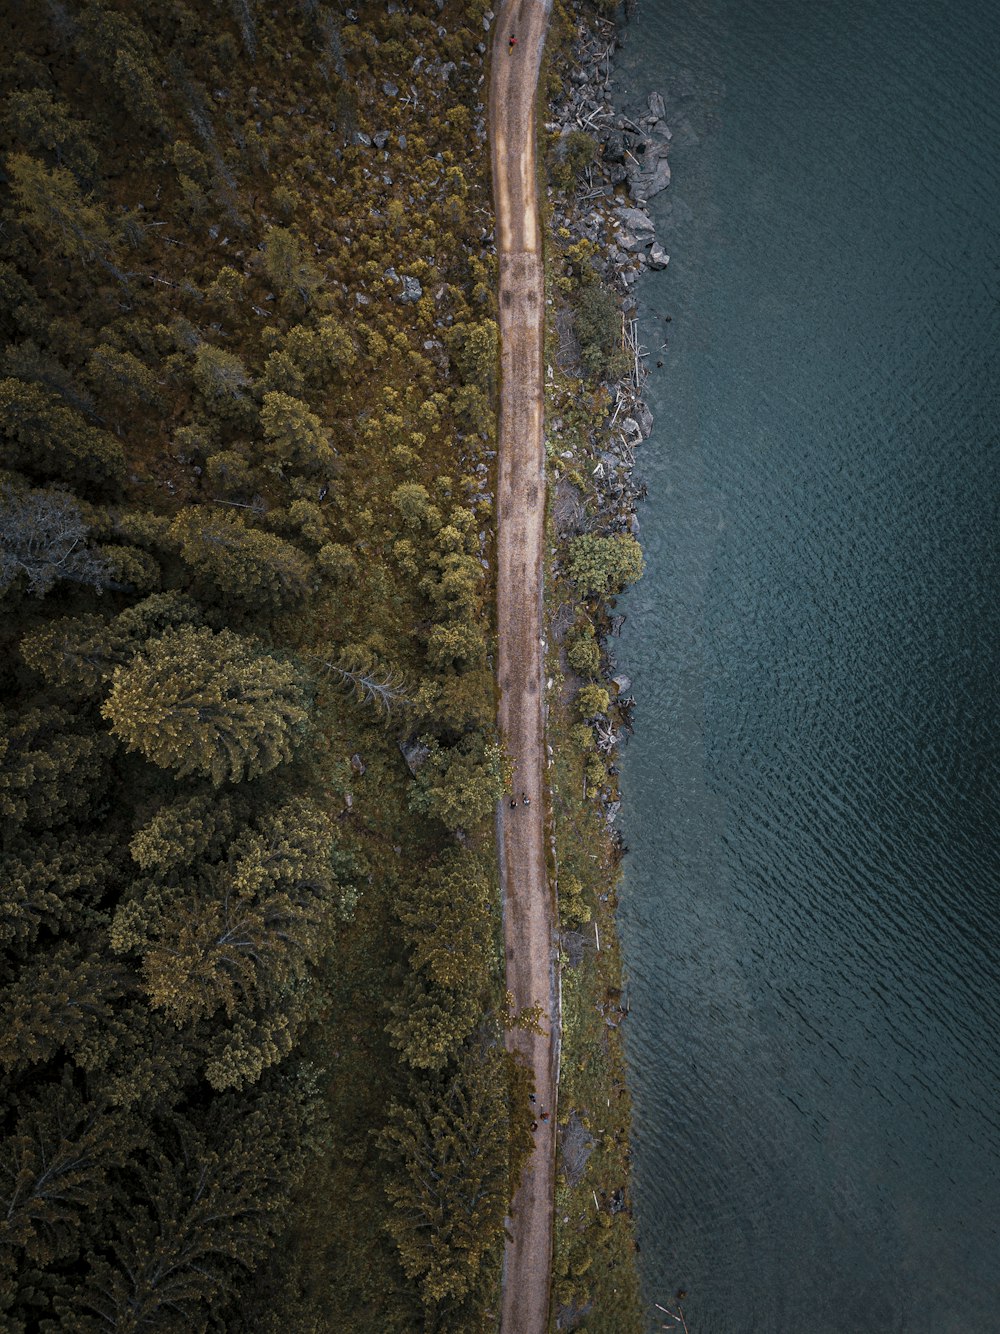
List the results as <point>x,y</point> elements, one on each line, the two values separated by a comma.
<point>811,907</point>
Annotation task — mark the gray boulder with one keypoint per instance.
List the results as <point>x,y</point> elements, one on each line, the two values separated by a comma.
<point>658,257</point>
<point>614,147</point>
<point>655,103</point>
<point>636,220</point>
<point>415,755</point>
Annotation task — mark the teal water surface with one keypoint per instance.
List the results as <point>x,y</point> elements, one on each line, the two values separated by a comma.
<point>811,907</point>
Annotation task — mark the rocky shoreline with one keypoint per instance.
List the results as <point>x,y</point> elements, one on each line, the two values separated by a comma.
<point>630,167</point>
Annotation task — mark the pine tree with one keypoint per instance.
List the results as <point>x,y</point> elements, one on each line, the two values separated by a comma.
<point>78,654</point>
<point>322,353</point>
<point>603,566</point>
<point>447,923</point>
<point>47,438</point>
<point>51,204</point>
<point>52,769</point>
<point>204,1209</point>
<point>122,378</point>
<point>244,565</point>
<point>428,1024</point>
<point>447,928</point>
<point>222,380</point>
<point>295,279</point>
<point>43,123</point>
<point>58,1001</point>
<point>120,54</point>
<point>449,1147</point>
<point>54,1171</point>
<point>182,833</point>
<point>461,784</point>
<point>50,884</point>
<point>295,434</point>
<point>236,933</point>
<point>209,704</point>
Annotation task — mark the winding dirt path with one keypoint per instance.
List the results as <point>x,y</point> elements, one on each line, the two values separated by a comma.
<point>529,908</point>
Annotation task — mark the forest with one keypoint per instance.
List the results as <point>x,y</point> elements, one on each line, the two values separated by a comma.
<point>252,1068</point>
<point>248,754</point>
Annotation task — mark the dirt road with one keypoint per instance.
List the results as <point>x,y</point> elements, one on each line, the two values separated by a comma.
<point>529,910</point>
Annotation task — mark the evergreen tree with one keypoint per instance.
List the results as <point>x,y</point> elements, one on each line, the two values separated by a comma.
<point>294,278</point>
<point>49,439</point>
<point>51,205</point>
<point>122,378</point>
<point>447,922</point>
<point>222,380</point>
<point>54,1171</point>
<point>460,784</point>
<point>237,933</point>
<point>602,566</point>
<point>78,654</point>
<point>323,353</point>
<point>242,564</point>
<point>448,1144</point>
<point>204,1210</point>
<point>209,704</point>
<point>44,123</point>
<point>52,769</point>
<point>295,434</point>
<point>428,1024</point>
<point>49,884</point>
<point>182,833</point>
<point>58,1001</point>
<point>447,927</point>
<point>27,361</point>
<point>120,54</point>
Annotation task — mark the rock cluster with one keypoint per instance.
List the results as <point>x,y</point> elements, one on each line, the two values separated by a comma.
<point>611,210</point>
<point>632,166</point>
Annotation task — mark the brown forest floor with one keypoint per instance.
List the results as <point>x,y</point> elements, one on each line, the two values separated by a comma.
<point>529,908</point>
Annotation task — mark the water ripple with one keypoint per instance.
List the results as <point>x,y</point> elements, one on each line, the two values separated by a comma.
<point>810,913</point>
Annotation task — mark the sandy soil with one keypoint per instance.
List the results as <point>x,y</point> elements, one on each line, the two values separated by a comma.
<point>529,909</point>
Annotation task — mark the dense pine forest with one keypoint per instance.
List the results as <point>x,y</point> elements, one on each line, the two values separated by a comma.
<point>251,1062</point>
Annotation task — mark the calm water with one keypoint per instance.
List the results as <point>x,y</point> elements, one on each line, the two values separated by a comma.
<point>811,912</point>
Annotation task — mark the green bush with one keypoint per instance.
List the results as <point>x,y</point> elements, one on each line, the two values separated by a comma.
<point>597,320</point>
<point>592,700</point>
<point>584,653</point>
<point>602,566</point>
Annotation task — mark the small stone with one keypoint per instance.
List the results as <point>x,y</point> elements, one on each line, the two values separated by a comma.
<point>658,257</point>
<point>412,291</point>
